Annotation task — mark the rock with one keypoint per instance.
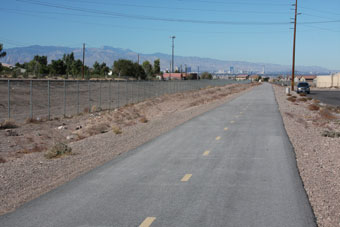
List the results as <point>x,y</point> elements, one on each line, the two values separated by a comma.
<point>79,127</point>
<point>10,132</point>
<point>70,137</point>
<point>62,127</point>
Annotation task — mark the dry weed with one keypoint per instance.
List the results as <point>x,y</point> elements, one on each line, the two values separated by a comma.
<point>8,124</point>
<point>302,94</point>
<point>143,120</point>
<point>35,149</point>
<point>2,160</point>
<point>117,130</point>
<point>302,99</point>
<point>326,114</point>
<point>291,99</point>
<point>94,109</point>
<point>316,101</point>
<point>58,150</point>
<point>86,110</point>
<point>289,114</point>
<point>313,107</point>
<point>97,129</point>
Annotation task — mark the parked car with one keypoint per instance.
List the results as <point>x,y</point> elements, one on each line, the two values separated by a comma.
<point>303,87</point>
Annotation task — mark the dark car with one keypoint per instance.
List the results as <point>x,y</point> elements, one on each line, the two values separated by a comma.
<point>303,87</point>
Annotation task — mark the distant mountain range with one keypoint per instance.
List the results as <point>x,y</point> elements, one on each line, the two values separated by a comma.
<point>109,55</point>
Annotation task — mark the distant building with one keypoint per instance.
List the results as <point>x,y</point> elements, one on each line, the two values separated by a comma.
<point>242,77</point>
<point>328,81</point>
<point>254,77</point>
<point>174,76</point>
<point>188,69</point>
<point>232,71</point>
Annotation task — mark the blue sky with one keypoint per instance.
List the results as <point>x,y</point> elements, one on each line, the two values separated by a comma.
<point>244,30</point>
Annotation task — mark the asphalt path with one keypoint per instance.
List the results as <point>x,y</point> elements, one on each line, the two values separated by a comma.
<point>233,166</point>
<point>328,97</point>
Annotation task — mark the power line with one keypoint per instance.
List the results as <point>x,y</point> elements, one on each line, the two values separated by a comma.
<point>142,17</point>
<point>183,8</point>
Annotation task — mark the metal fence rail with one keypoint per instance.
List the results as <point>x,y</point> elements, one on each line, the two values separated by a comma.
<point>47,99</point>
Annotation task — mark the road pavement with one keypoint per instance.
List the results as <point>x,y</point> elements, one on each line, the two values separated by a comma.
<point>328,97</point>
<point>233,166</point>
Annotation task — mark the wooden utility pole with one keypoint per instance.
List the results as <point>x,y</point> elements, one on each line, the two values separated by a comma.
<point>293,65</point>
<point>83,69</point>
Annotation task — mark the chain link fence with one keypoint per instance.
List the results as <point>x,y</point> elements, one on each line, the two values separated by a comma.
<point>47,99</point>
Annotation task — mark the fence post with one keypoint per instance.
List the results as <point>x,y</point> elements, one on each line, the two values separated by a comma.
<point>126,92</point>
<point>100,94</point>
<point>109,95</point>
<point>89,91</point>
<point>118,101</point>
<point>49,100</point>
<point>78,97</point>
<point>31,104</point>
<point>9,98</point>
<point>64,98</point>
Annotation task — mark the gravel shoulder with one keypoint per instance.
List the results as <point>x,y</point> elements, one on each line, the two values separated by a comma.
<point>317,152</point>
<point>94,138</point>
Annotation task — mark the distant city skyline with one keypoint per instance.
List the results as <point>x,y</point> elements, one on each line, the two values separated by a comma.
<point>253,31</point>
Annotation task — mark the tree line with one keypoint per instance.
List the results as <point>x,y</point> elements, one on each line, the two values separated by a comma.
<point>69,67</point>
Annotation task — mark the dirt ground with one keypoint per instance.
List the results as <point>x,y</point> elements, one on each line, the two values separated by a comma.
<point>95,138</point>
<point>314,130</point>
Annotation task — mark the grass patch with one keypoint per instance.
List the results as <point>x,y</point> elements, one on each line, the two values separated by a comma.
<point>291,99</point>
<point>316,101</point>
<point>58,150</point>
<point>289,94</point>
<point>86,110</point>
<point>302,99</point>
<point>8,124</point>
<point>302,94</point>
<point>313,107</point>
<point>309,98</point>
<point>117,130</point>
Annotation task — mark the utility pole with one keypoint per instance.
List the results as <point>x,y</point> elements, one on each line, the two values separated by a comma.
<point>173,52</point>
<point>138,59</point>
<point>198,72</point>
<point>83,69</point>
<point>293,65</point>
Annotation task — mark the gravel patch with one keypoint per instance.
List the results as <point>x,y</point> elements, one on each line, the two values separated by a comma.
<point>318,155</point>
<point>26,174</point>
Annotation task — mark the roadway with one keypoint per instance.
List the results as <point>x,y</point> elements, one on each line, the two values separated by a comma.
<point>233,166</point>
<point>328,97</point>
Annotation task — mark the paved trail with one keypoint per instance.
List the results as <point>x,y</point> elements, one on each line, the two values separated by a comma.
<point>233,166</point>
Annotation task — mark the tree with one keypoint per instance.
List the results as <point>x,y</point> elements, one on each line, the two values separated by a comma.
<point>76,68</point>
<point>206,76</point>
<point>68,60</point>
<point>156,67</point>
<point>96,68</point>
<point>139,72</point>
<point>2,54</point>
<point>57,67</point>
<point>148,68</point>
<point>104,70</point>
<point>123,67</point>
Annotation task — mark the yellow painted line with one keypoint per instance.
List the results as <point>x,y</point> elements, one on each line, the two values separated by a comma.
<point>225,129</point>
<point>232,122</point>
<point>186,177</point>
<point>218,138</point>
<point>147,222</point>
<point>206,153</point>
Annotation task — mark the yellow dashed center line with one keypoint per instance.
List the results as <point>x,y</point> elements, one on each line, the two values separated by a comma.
<point>206,153</point>
<point>225,129</point>
<point>218,138</point>
<point>147,222</point>
<point>186,177</point>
